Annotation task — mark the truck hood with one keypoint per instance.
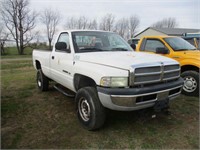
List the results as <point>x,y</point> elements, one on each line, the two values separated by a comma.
<point>122,60</point>
<point>190,54</point>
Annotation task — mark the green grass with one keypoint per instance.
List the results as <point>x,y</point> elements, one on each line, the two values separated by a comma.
<point>10,65</point>
<point>11,52</point>
<point>16,140</point>
<point>44,120</point>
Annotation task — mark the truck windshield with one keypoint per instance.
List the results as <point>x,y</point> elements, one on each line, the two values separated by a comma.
<point>179,44</point>
<point>96,41</point>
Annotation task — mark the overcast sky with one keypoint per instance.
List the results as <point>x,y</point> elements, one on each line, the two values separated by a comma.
<point>186,12</point>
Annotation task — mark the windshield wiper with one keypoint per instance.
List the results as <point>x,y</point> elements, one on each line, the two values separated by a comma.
<point>91,49</point>
<point>119,49</point>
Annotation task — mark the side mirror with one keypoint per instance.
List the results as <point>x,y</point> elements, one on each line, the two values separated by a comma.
<point>133,46</point>
<point>62,46</point>
<point>162,50</point>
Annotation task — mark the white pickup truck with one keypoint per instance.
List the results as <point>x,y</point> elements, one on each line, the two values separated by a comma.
<point>102,71</point>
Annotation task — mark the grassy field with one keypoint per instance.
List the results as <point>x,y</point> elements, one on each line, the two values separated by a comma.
<point>32,119</point>
<point>11,52</point>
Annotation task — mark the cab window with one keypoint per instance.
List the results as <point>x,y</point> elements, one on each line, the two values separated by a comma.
<point>152,44</point>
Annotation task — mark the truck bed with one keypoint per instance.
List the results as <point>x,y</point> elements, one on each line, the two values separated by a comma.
<point>43,56</point>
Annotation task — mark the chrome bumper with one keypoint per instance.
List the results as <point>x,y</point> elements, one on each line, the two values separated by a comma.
<point>137,101</point>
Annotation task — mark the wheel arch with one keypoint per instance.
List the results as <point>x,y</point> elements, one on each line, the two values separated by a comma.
<point>81,81</point>
<point>38,65</point>
<point>189,68</point>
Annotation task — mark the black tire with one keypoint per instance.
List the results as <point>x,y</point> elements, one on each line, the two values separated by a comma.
<point>90,111</point>
<point>191,83</point>
<point>42,81</point>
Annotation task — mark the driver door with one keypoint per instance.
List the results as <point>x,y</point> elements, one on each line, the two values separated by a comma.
<point>62,63</point>
<point>151,45</point>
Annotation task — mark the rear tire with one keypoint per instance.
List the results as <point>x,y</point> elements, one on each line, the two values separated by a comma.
<point>42,81</point>
<point>90,111</point>
<point>191,83</point>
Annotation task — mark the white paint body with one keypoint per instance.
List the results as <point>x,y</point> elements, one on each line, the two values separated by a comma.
<point>91,64</point>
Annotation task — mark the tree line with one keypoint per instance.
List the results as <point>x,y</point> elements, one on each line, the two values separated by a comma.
<point>20,22</point>
<point>126,27</point>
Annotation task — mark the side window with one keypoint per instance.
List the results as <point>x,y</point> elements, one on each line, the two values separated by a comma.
<point>64,37</point>
<point>197,45</point>
<point>191,41</point>
<point>151,45</point>
<point>130,41</point>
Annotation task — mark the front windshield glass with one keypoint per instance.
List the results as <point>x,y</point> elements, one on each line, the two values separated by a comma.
<point>94,41</point>
<point>179,44</point>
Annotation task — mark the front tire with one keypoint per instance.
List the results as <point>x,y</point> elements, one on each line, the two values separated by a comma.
<point>42,81</point>
<point>191,83</point>
<point>91,113</point>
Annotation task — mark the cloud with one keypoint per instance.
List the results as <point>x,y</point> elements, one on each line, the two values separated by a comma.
<point>187,12</point>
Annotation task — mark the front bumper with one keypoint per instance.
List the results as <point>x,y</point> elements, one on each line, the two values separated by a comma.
<point>128,99</point>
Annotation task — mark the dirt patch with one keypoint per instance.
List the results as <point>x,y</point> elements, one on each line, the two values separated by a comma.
<point>44,120</point>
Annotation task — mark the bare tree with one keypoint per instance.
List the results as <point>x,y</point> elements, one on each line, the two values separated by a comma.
<point>133,25</point>
<point>107,22</point>
<point>37,40</point>
<point>51,20</point>
<point>122,27</point>
<point>71,23</point>
<point>166,23</point>
<point>19,20</point>
<point>93,24</point>
<point>4,36</point>
<point>82,22</point>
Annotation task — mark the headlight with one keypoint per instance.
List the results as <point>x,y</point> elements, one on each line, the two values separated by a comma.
<point>114,81</point>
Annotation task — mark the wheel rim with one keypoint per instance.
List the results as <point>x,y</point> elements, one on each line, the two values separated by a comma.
<point>190,84</point>
<point>39,82</point>
<point>84,109</point>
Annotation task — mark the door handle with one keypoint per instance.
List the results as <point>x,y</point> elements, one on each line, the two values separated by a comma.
<point>176,57</point>
<point>52,57</point>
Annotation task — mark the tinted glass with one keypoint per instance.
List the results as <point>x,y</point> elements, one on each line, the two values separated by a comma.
<point>64,37</point>
<point>152,45</point>
<point>93,41</point>
<point>191,41</point>
<point>179,44</point>
<point>198,43</point>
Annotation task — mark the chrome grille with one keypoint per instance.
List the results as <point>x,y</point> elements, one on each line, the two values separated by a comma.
<point>146,78</point>
<point>171,75</point>
<point>171,67</point>
<point>154,73</point>
<point>147,69</point>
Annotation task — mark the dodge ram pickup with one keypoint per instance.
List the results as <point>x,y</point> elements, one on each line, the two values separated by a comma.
<point>176,48</point>
<point>102,71</point>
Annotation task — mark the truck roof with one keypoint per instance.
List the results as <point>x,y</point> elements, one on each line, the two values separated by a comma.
<point>157,36</point>
<point>77,30</point>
